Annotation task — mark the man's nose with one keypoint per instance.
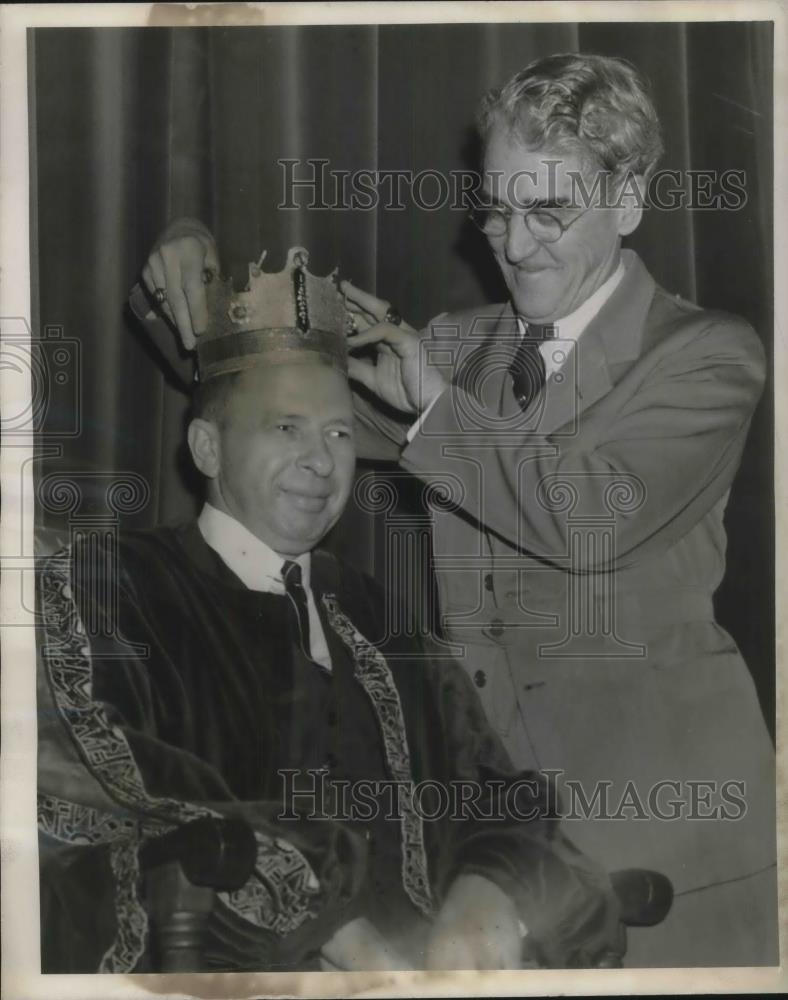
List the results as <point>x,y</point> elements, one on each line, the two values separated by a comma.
<point>520,242</point>
<point>317,456</point>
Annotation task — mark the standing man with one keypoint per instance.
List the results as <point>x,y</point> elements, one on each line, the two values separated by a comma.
<point>588,431</point>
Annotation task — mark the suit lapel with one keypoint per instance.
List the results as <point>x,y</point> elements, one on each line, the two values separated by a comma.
<point>583,380</point>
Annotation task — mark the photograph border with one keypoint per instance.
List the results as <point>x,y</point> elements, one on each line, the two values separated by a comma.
<point>20,910</point>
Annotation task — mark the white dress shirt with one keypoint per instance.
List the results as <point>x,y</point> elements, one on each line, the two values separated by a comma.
<point>572,326</point>
<point>567,330</point>
<point>260,568</point>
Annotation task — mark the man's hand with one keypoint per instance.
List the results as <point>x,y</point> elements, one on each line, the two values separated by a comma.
<point>477,928</point>
<point>401,377</point>
<point>175,267</point>
<point>359,947</point>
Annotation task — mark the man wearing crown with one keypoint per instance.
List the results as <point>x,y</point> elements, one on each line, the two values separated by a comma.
<point>228,668</point>
<point>596,423</point>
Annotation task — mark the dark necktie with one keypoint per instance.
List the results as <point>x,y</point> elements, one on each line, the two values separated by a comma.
<point>311,739</point>
<point>528,368</point>
<point>299,610</point>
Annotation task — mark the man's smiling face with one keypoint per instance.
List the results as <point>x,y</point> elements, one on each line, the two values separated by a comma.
<point>281,458</point>
<point>548,281</point>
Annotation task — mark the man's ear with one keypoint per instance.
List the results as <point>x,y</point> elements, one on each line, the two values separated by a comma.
<point>629,203</point>
<point>205,446</point>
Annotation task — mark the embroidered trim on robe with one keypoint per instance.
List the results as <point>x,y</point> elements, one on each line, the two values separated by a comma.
<point>375,677</point>
<point>279,897</point>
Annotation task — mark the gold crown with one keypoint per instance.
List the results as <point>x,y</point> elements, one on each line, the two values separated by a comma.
<point>288,317</point>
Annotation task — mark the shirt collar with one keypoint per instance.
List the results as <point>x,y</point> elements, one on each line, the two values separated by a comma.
<point>252,561</point>
<point>570,327</point>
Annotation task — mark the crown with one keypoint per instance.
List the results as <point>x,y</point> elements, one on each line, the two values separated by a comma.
<point>287,317</point>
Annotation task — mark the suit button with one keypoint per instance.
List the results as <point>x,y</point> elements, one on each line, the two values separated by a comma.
<point>488,582</point>
<point>496,628</point>
<point>480,678</point>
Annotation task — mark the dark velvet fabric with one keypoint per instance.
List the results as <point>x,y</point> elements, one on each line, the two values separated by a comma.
<point>209,714</point>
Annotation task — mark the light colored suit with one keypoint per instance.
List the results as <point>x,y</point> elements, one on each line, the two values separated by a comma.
<point>577,570</point>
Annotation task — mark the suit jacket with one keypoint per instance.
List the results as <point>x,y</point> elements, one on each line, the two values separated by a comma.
<point>576,561</point>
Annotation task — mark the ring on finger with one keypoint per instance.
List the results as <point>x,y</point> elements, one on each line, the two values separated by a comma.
<point>160,294</point>
<point>392,316</point>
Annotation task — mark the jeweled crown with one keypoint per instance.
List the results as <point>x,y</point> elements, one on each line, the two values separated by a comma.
<point>280,318</point>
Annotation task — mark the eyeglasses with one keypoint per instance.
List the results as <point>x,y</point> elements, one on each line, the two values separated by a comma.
<point>543,225</point>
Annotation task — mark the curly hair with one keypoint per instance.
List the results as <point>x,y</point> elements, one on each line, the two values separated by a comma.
<point>596,107</point>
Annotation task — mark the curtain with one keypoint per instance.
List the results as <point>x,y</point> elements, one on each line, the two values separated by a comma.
<point>133,127</point>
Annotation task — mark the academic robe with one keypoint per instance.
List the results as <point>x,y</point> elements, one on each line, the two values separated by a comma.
<point>169,691</point>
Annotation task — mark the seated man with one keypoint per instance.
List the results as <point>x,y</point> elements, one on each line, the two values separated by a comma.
<point>224,668</point>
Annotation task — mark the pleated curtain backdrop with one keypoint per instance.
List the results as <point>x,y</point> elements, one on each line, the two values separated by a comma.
<point>131,128</point>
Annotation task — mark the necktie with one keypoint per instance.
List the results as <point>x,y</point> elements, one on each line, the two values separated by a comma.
<point>291,574</point>
<point>528,368</point>
<point>311,740</point>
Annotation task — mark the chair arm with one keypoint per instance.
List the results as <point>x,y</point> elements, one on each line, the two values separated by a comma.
<point>183,871</point>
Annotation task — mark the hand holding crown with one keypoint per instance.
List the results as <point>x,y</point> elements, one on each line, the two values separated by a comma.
<point>285,317</point>
<point>400,374</point>
<point>174,276</point>
<point>229,329</point>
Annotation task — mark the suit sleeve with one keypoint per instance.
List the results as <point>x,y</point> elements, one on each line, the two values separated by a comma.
<point>381,430</point>
<point>673,429</point>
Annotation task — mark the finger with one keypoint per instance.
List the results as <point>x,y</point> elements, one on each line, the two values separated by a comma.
<point>365,319</point>
<point>197,302</point>
<point>147,277</point>
<point>401,341</point>
<point>194,257</point>
<point>361,320</point>
<point>362,371</point>
<point>360,324</point>
<point>177,298</point>
<point>156,279</point>
<point>211,255</point>
<point>374,306</point>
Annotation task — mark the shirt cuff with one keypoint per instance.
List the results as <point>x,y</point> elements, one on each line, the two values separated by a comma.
<point>415,428</point>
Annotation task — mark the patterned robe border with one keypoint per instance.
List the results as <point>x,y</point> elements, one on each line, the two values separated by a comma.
<point>284,889</point>
<point>375,677</point>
